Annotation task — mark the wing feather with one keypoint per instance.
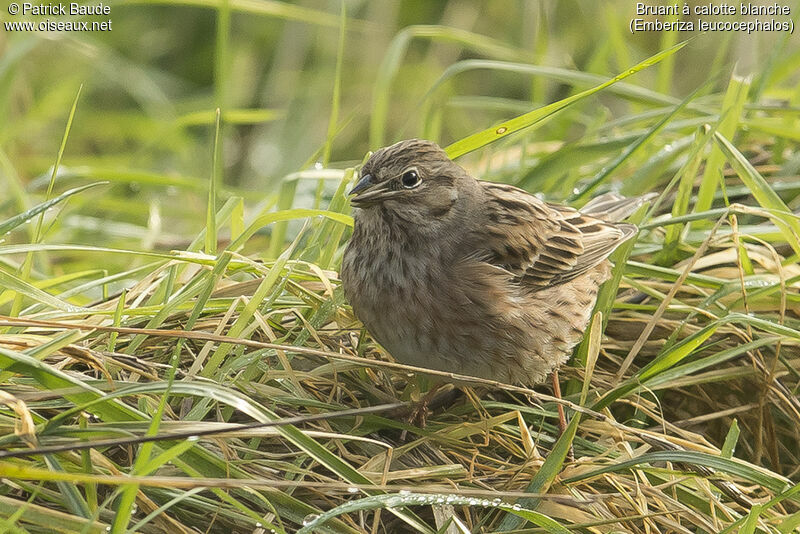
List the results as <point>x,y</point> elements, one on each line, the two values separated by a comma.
<point>545,244</point>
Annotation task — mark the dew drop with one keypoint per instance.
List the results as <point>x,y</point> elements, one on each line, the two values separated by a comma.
<point>310,518</point>
<point>192,438</point>
<point>28,221</point>
<point>501,130</point>
<point>575,190</point>
<point>352,490</point>
<point>496,502</point>
<point>485,502</point>
<point>516,507</point>
<point>318,166</point>
<point>258,525</point>
<point>405,492</point>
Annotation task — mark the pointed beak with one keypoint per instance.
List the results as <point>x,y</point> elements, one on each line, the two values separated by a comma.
<point>367,192</point>
<point>363,184</point>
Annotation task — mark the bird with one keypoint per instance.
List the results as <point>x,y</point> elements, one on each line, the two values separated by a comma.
<point>465,276</point>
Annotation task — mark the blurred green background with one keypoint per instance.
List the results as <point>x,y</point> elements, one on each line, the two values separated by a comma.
<point>150,87</point>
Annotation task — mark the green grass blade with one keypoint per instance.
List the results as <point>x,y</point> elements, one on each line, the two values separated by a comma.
<point>9,224</point>
<point>781,215</point>
<point>480,139</point>
<point>732,107</point>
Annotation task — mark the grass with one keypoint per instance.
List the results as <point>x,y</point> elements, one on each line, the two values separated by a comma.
<point>162,370</point>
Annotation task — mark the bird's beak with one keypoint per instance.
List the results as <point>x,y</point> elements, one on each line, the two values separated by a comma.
<point>367,192</point>
<point>363,184</point>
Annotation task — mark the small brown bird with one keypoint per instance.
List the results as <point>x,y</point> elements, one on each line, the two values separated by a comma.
<point>472,277</point>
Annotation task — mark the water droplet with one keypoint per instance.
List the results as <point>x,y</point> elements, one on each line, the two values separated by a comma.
<point>496,502</point>
<point>258,525</point>
<point>51,208</point>
<point>352,490</point>
<point>318,166</point>
<point>516,507</point>
<point>28,221</point>
<point>405,492</point>
<point>501,130</point>
<point>667,148</point>
<point>310,518</point>
<point>575,190</point>
<point>485,502</point>
<point>439,500</point>
<point>192,438</point>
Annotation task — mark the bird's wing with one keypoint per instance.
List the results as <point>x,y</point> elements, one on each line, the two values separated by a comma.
<point>544,244</point>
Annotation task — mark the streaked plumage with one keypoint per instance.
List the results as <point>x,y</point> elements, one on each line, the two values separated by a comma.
<point>484,279</point>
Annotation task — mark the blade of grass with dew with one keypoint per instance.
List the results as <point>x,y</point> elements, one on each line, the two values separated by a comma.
<point>554,462</point>
<point>730,115</point>
<point>628,91</point>
<point>483,138</point>
<point>780,214</point>
<point>390,501</point>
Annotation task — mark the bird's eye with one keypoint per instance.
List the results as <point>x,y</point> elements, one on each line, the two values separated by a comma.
<point>410,179</point>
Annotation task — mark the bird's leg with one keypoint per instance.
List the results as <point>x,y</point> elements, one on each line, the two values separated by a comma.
<point>419,415</point>
<point>562,418</point>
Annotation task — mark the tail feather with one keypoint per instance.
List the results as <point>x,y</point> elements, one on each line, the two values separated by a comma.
<point>613,207</point>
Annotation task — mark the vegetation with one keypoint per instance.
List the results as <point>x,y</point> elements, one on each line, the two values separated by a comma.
<point>174,342</point>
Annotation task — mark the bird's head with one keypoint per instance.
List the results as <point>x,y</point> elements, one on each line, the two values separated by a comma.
<point>414,181</point>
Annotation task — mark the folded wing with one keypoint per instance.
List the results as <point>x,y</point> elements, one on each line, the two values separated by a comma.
<point>545,244</point>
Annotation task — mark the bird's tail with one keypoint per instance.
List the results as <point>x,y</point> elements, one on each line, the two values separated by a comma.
<point>612,207</point>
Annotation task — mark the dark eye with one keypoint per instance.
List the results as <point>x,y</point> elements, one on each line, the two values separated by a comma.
<point>410,179</point>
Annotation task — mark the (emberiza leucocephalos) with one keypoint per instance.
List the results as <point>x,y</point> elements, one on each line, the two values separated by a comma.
<point>472,277</point>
